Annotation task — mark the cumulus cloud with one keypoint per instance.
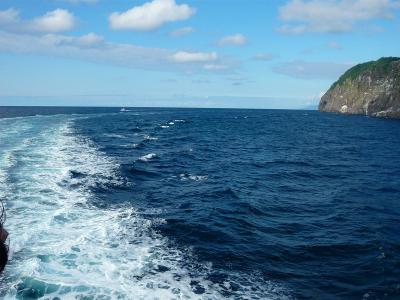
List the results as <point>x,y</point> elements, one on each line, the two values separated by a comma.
<point>150,15</point>
<point>302,16</point>
<point>94,48</point>
<point>58,20</point>
<point>181,31</point>
<point>54,21</point>
<point>233,40</point>
<point>312,70</point>
<point>194,57</point>
<point>42,36</point>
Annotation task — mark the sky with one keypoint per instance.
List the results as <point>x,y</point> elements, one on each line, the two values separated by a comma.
<point>187,53</point>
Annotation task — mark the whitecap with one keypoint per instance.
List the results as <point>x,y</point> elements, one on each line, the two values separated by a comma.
<point>113,135</point>
<point>147,157</point>
<point>150,138</point>
<point>193,177</point>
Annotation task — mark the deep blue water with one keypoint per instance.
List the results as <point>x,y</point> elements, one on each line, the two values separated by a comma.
<point>197,203</point>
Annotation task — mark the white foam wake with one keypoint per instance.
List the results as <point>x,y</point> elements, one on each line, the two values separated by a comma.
<point>61,245</point>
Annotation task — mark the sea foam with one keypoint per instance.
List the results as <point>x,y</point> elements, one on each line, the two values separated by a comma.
<point>63,245</point>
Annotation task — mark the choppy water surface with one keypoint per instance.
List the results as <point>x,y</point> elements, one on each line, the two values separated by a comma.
<point>200,204</point>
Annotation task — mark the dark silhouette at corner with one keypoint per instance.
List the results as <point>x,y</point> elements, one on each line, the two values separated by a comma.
<point>3,238</point>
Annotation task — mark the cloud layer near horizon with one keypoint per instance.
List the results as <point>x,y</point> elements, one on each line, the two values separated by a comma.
<point>94,48</point>
<point>312,70</point>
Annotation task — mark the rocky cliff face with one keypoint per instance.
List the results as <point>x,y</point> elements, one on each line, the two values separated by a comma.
<point>371,89</point>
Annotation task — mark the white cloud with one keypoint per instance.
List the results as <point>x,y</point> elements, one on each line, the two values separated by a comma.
<point>89,48</point>
<point>9,16</point>
<point>215,67</point>
<point>58,20</point>
<point>194,57</point>
<point>40,36</point>
<point>91,39</point>
<point>233,40</point>
<point>312,70</point>
<point>335,45</point>
<point>302,16</point>
<point>95,48</point>
<point>289,29</point>
<point>263,57</point>
<point>85,41</point>
<point>54,21</point>
<point>181,31</point>
<point>150,15</point>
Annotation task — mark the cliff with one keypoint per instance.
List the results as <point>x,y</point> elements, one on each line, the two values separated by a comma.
<point>371,88</point>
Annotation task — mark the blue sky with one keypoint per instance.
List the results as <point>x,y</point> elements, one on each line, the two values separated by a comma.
<point>187,53</point>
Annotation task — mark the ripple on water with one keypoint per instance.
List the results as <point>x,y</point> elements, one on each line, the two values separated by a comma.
<point>70,248</point>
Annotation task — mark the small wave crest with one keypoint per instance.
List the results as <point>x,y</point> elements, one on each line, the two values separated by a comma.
<point>150,138</point>
<point>147,157</point>
<point>193,177</point>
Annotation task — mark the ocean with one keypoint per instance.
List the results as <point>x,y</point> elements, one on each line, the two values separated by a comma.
<point>151,203</point>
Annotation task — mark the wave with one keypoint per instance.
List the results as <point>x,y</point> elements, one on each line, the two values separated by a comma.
<point>143,174</point>
<point>193,177</point>
<point>113,135</point>
<point>62,245</point>
<point>150,138</point>
<point>147,157</point>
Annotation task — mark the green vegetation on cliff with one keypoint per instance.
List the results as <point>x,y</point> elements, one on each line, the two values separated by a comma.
<point>380,66</point>
<point>371,88</point>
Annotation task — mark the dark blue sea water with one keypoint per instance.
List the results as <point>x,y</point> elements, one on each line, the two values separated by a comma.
<point>200,204</point>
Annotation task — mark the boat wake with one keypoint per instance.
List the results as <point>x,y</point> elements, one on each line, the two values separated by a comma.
<point>65,245</point>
